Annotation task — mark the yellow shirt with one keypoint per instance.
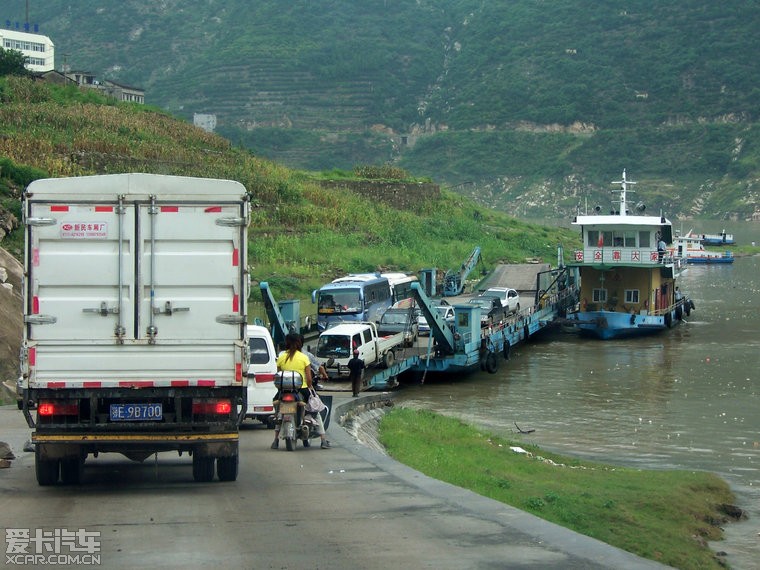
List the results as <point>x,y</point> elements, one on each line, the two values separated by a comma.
<point>299,363</point>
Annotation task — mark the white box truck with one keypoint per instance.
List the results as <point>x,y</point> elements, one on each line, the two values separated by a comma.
<point>134,320</point>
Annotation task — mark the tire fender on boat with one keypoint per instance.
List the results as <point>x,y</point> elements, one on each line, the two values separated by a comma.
<point>668,319</point>
<point>507,348</point>
<point>492,363</point>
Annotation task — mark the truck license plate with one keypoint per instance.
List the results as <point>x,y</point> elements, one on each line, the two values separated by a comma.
<point>136,412</point>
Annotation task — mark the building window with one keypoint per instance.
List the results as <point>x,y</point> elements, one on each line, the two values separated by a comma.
<point>600,296</point>
<point>632,296</point>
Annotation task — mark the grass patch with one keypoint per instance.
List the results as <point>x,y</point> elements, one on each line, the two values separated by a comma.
<point>667,516</point>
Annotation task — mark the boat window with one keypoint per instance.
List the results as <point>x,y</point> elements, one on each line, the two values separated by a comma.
<point>617,240</point>
<point>631,295</point>
<point>607,238</point>
<point>593,238</point>
<point>600,296</point>
<point>644,238</point>
<point>630,239</point>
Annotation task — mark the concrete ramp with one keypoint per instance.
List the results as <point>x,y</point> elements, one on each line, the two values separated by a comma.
<point>519,276</point>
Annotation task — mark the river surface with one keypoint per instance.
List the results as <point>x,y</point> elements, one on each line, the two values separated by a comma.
<point>685,399</point>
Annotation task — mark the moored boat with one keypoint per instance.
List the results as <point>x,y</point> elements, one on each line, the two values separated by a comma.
<point>627,275</point>
<point>718,239</point>
<point>690,248</point>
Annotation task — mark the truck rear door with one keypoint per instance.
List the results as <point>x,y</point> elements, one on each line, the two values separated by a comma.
<point>107,279</point>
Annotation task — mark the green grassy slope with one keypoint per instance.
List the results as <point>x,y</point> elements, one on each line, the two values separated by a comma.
<point>301,235</point>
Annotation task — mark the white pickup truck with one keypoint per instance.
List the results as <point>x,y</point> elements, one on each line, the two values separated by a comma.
<point>509,298</point>
<point>336,345</point>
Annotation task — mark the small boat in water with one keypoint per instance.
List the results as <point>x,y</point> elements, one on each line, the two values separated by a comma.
<point>627,275</point>
<point>690,248</point>
<point>718,239</point>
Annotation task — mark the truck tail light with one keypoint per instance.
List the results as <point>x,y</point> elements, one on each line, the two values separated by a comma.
<point>64,408</point>
<point>211,407</point>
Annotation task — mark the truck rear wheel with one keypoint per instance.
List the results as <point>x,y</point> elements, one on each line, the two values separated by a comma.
<point>227,468</point>
<point>203,468</point>
<point>388,359</point>
<point>45,469</point>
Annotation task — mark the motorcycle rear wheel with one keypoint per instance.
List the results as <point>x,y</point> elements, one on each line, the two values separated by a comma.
<point>290,444</point>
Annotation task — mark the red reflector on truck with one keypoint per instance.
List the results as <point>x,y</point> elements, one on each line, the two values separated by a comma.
<point>211,407</point>
<point>58,408</point>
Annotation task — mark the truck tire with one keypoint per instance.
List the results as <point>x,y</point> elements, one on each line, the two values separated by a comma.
<point>203,468</point>
<point>45,469</point>
<point>227,467</point>
<point>388,359</point>
<point>72,469</point>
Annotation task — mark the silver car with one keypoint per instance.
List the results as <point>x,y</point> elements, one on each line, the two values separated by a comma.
<point>447,312</point>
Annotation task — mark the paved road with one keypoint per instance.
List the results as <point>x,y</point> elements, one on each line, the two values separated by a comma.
<point>348,507</point>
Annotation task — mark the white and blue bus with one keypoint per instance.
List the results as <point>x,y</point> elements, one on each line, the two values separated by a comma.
<point>401,285</point>
<point>360,297</point>
<point>354,298</point>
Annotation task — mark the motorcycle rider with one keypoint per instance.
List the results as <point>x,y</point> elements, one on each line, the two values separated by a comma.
<point>293,359</point>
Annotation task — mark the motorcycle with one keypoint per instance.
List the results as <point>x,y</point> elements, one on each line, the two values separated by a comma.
<point>290,408</point>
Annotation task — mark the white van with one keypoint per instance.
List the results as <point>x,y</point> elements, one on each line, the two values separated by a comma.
<point>261,372</point>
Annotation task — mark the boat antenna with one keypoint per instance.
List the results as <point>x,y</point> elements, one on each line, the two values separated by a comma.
<point>623,189</point>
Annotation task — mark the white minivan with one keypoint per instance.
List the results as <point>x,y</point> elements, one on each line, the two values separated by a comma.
<point>261,371</point>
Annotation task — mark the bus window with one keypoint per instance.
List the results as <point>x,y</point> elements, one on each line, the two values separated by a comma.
<point>339,301</point>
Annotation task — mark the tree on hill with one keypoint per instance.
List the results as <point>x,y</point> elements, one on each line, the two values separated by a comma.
<point>12,62</point>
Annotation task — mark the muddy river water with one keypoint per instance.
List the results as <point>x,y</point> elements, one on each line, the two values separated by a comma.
<point>687,399</point>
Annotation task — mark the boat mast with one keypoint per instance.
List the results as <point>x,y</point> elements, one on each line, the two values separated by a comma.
<point>623,189</point>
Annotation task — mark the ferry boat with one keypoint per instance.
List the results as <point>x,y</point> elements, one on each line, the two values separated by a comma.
<point>718,239</point>
<point>627,275</point>
<point>690,248</point>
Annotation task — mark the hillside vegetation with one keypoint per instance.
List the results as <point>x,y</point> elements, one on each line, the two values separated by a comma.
<point>527,106</point>
<point>301,234</point>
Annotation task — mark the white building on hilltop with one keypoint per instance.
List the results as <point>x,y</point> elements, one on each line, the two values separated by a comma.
<point>38,49</point>
<point>206,121</point>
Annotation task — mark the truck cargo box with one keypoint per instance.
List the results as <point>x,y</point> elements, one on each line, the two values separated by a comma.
<point>134,282</point>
